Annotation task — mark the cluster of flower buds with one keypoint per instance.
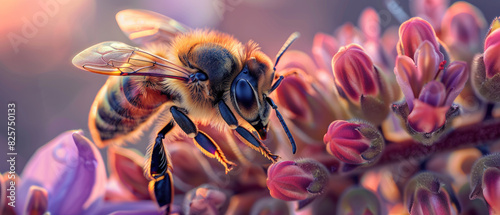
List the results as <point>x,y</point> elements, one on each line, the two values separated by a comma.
<point>354,143</point>
<point>486,67</point>
<point>429,84</point>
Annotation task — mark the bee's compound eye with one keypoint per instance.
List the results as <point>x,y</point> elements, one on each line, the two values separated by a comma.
<point>245,96</point>
<point>201,76</point>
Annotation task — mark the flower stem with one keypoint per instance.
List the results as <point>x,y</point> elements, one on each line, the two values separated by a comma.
<point>468,136</point>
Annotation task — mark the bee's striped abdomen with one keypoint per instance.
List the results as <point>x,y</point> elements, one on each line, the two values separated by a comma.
<point>122,105</point>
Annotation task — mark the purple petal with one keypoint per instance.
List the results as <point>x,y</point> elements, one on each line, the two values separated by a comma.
<point>433,93</point>
<point>71,169</point>
<point>427,61</point>
<point>130,208</point>
<point>406,76</point>
<point>37,201</point>
<point>454,79</point>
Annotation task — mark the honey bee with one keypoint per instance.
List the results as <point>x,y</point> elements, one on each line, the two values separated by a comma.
<point>189,77</point>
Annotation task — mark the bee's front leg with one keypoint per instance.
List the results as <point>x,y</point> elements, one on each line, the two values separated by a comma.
<point>161,184</point>
<point>252,141</point>
<point>206,144</point>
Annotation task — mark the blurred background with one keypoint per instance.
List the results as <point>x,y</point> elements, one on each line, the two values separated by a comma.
<point>40,37</point>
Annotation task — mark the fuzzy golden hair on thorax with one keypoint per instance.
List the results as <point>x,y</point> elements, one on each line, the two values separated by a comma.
<point>184,42</point>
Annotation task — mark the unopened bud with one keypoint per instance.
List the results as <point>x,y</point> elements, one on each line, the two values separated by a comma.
<point>355,143</point>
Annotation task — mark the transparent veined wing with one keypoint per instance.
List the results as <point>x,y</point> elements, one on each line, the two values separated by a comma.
<point>117,58</point>
<point>143,26</point>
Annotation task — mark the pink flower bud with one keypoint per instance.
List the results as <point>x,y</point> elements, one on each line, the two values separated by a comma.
<point>430,193</point>
<point>353,142</point>
<point>486,67</point>
<point>461,30</point>
<point>287,181</point>
<point>413,33</point>
<point>492,39</point>
<point>369,23</point>
<point>306,107</point>
<point>323,50</point>
<point>430,10</point>
<point>354,73</point>
<point>292,95</point>
<point>491,49</point>
<point>290,180</point>
<point>366,91</point>
<point>485,181</point>
<point>348,33</point>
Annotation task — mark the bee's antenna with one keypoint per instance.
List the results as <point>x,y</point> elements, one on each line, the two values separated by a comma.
<point>285,46</point>
<point>282,121</point>
<point>276,84</point>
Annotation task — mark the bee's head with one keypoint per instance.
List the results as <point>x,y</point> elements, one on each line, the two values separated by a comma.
<point>250,89</point>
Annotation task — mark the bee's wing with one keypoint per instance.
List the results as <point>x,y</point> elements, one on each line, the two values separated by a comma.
<point>116,58</point>
<point>143,26</point>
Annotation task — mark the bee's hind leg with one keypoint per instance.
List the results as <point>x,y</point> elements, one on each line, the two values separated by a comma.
<point>161,184</point>
<point>251,140</point>
<point>206,144</point>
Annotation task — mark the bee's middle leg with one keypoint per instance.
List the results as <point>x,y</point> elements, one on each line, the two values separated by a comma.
<point>206,144</point>
<point>251,140</point>
<point>161,184</point>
